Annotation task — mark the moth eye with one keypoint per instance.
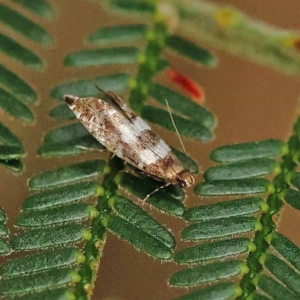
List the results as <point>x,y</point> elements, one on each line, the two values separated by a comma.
<point>181,183</point>
<point>185,179</point>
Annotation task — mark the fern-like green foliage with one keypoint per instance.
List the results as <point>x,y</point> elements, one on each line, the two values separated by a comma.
<point>16,95</point>
<point>227,28</point>
<point>259,270</point>
<point>4,247</point>
<point>63,223</point>
<point>69,206</point>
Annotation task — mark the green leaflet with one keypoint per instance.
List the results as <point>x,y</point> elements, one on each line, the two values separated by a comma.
<point>99,57</point>
<point>222,291</point>
<point>24,26</point>
<point>292,197</point>
<point>206,273</point>
<point>119,34</point>
<point>182,105</point>
<point>15,107</point>
<point>70,147</point>
<point>58,294</point>
<point>287,249</point>
<point>137,237</point>
<point>84,88</point>
<point>225,209</point>
<point>232,187</point>
<point>283,272</point>
<point>133,6</point>
<point>218,228</point>
<point>60,196</point>
<point>14,165</point>
<point>274,289</point>
<point>68,174</point>
<point>66,133</point>
<point>190,50</point>
<point>295,181</point>
<point>50,237</point>
<point>187,162</point>
<point>256,296</point>
<point>8,138</point>
<point>36,282</point>
<point>62,112</point>
<point>212,250</point>
<point>3,217</point>
<point>137,217</point>
<point>244,169</point>
<point>39,262</point>
<point>16,51</point>
<point>161,65</point>
<point>17,85</point>
<point>141,187</point>
<point>186,128</point>
<point>238,152</point>
<point>57,215</point>
<point>8,152</point>
<point>39,7</point>
<point>3,231</point>
<point>4,248</point>
<point>66,140</point>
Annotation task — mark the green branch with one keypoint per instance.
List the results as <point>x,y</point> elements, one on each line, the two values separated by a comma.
<point>227,28</point>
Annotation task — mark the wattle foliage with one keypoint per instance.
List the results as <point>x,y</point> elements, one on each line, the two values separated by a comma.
<point>63,223</point>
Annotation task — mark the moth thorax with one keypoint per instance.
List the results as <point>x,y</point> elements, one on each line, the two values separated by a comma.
<point>185,179</point>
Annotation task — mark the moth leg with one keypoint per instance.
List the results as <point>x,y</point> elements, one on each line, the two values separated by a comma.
<point>90,149</point>
<point>156,190</point>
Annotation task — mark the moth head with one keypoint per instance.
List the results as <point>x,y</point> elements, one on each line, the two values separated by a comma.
<point>70,99</point>
<point>185,179</point>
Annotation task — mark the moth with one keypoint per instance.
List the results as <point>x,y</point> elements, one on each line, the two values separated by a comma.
<point>129,137</point>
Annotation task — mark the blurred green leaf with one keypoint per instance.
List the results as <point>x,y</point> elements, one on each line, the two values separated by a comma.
<point>186,128</point>
<point>39,7</point>
<point>68,174</point>
<point>190,50</point>
<point>232,187</point>
<point>14,107</point>
<point>238,152</point>
<point>24,26</point>
<point>84,88</point>
<point>244,169</point>
<point>118,34</point>
<point>17,85</point>
<point>100,57</point>
<point>16,51</point>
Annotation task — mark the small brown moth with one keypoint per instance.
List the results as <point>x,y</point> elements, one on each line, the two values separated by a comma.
<point>129,137</point>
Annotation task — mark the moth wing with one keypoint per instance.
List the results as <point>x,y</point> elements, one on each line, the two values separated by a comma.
<point>118,104</point>
<point>121,106</point>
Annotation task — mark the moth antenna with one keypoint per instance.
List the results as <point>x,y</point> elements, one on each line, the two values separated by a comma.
<point>100,89</point>
<point>173,122</point>
<point>156,190</point>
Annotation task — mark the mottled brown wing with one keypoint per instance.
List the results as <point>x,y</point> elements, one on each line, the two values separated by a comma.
<point>130,139</point>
